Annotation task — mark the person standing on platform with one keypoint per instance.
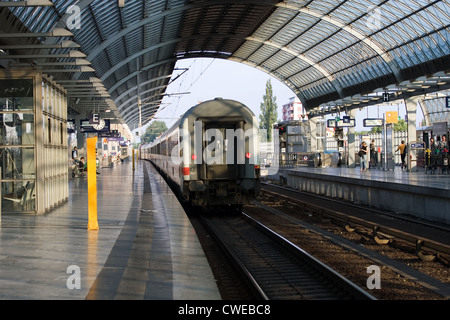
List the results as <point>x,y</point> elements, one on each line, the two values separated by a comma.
<point>433,144</point>
<point>444,148</point>
<point>443,145</point>
<point>74,153</point>
<point>373,154</point>
<point>402,149</point>
<point>363,154</point>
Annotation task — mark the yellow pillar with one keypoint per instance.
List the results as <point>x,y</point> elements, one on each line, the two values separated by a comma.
<point>92,183</point>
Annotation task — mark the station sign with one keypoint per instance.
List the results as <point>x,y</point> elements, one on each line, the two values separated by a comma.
<point>373,122</point>
<point>71,127</point>
<point>109,134</point>
<point>392,117</point>
<point>85,126</point>
<point>349,123</point>
<point>447,102</point>
<point>418,145</point>
<point>124,142</point>
<point>332,123</point>
<point>94,118</point>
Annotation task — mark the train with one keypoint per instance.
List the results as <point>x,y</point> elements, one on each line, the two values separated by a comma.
<point>210,155</point>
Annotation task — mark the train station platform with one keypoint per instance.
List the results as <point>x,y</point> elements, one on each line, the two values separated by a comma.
<point>426,196</point>
<point>145,247</point>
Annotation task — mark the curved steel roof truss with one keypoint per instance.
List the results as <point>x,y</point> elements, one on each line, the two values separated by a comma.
<point>327,52</point>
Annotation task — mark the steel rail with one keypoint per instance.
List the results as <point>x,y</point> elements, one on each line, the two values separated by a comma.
<point>296,254</point>
<point>381,233</point>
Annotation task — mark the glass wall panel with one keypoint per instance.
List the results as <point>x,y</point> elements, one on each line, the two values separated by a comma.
<point>17,138</point>
<point>17,163</point>
<point>16,95</point>
<point>16,128</point>
<point>18,196</point>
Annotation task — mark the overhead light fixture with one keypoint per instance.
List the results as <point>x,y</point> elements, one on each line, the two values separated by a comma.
<point>81,69</point>
<point>56,32</point>
<point>62,45</point>
<point>121,3</point>
<point>91,80</point>
<point>71,54</point>
<point>77,62</point>
<point>94,79</point>
<point>27,3</point>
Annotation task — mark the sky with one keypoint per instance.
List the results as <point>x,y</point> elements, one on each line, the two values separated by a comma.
<point>211,78</point>
<point>208,78</point>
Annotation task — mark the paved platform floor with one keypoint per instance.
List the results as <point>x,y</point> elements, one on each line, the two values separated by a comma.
<point>145,247</point>
<point>418,178</point>
<point>425,196</point>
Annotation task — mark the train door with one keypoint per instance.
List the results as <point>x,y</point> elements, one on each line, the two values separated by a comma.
<point>223,147</point>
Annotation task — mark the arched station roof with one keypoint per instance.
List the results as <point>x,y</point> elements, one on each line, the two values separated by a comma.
<point>331,53</point>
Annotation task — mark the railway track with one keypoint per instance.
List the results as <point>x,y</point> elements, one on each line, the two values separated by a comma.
<point>275,267</point>
<point>429,241</point>
<point>350,248</point>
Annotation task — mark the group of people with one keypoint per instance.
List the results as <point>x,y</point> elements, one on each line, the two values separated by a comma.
<point>438,155</point>
<point>79,166</point>
<point>442,147</point>
<point>439,147</point>
<point>364,152</point>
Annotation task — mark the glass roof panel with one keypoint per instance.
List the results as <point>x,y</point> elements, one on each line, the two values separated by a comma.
<point>311,45</point>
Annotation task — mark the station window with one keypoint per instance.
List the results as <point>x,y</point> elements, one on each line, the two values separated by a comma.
<point>49,130</point>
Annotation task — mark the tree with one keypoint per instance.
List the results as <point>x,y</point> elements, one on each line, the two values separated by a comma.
<point>401,125</point>
<point>153,131</point>
<point>269,111</point>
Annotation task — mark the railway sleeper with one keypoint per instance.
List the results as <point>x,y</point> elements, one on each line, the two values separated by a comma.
<point>381,238</point>
<point>424,255</point>
<point>402,241</point>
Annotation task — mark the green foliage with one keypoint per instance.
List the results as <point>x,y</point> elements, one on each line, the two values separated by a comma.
<point>402,125</point>
<point>269,111</point>
<point>376,130</point>
<point>153,131</point>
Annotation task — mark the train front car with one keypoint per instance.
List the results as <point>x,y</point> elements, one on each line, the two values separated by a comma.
<point>219,154</point>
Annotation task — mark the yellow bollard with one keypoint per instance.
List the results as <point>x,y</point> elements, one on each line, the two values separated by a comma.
<point>92,183</point>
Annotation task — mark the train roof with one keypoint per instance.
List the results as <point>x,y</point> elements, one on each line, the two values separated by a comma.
<point>217,107</point>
